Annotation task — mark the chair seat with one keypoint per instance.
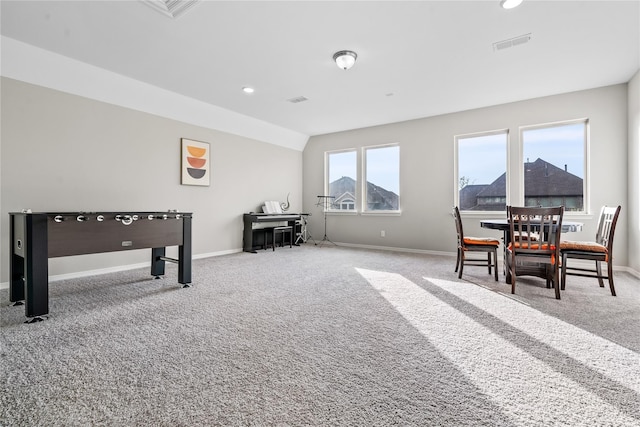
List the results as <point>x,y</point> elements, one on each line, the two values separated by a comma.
<point>585,250</point>
<point>486,241</point>
<point>582,246</point>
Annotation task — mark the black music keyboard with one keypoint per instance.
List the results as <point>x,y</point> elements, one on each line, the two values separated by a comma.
<point>249,242</point>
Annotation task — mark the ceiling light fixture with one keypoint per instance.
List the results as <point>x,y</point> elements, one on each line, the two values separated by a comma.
<point>510,4</point>
<point>345,59</point>
<point>247,89</point>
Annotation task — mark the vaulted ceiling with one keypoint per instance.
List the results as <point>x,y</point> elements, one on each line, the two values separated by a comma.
<point>415,58</point>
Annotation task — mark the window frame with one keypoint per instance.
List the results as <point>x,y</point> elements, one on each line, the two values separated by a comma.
<point>586,170</point>
<point>327,183</point>
<point>456,167</point>
<point>363,182</point>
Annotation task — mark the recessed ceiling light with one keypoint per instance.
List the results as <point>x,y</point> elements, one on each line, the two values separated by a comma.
<point>247,89</point>
<point>510,4</point>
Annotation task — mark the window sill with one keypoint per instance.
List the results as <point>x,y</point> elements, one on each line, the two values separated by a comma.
<point>381,213</point>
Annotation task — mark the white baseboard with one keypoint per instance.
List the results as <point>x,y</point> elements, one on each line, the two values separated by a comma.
<point>394,249</point>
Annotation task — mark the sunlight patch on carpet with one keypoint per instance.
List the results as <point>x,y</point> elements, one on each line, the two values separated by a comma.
<point>522,385</point>
<point>612,360</point>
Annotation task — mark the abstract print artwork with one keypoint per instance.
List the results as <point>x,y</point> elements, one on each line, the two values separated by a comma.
<point>196,168</point>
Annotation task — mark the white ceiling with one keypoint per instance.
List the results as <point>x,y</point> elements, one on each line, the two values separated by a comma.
<point>415,58</point>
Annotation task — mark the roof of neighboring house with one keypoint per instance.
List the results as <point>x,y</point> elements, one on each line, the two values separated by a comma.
<point>383,199</point>
<point>469,194</point>
<point>541,178</point>
<point>344,196</point>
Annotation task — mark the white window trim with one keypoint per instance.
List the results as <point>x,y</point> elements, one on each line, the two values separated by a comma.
<point>363,183</point>
<point>586,187</point>
<point>327,183</point>
<point>456,171</point>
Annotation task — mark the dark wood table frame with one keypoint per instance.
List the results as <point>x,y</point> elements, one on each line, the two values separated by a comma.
<point>36,237</point>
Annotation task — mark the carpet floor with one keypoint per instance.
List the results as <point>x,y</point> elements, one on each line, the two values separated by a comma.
<point>323,336</point>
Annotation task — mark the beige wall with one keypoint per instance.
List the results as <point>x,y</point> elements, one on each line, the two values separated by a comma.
<point>427,175</point>
<point>634,173</point>
<point>62,152</point>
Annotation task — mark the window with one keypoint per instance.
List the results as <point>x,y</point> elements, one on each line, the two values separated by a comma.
<point>382,178</point>
<point>341,171</point>
<point>553,164</point>
<point>347,204</point>
<point>482,171</point>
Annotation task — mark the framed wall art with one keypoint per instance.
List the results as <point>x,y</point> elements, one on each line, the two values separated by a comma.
<point>195,163</point>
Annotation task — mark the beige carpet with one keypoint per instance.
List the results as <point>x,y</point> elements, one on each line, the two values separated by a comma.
<point>320,337</point>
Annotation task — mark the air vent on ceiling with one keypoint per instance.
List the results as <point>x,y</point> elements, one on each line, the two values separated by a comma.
<point>171,8</point>
<point>516,41</point>
<point>298,99</point>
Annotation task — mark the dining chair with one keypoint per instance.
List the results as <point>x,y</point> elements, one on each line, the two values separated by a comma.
<point>601,250</point>
<point>534,249</point>
<point>467,244</point>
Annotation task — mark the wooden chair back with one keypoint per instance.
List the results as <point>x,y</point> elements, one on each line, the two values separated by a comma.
<point>458,219</point>
<point>534,249</point>
<point>607,226</point>
<point>535,230</point>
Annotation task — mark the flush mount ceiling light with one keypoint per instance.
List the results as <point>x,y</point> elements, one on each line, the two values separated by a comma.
<point>248,89</point>
<point>345,59</point>
<point>510,4</point>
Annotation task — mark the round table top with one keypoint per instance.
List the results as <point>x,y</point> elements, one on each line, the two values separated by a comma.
<point>503,224</point>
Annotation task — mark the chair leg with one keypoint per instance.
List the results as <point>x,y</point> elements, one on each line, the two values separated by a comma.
<point>457,261</point>
<point>495,265</point>
<point>549,275</point>
<point>511,274</point>
<point>599,270</point>
<point>610,273</point>
<point>461,265</point>
<point>564,271</point>
<point>489,261</point>
<point>556,280</point>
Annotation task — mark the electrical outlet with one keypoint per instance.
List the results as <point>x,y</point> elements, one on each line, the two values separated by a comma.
<point>382,233</point>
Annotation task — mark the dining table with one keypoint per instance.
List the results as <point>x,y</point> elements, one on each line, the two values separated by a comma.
<point>502,224</point>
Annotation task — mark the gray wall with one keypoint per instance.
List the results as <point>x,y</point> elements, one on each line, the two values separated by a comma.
<point>62,152</point>
<point>427,175</point>
<point>634,173</point>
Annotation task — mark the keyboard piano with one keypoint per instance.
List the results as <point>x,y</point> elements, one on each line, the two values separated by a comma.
<point>252,219</point>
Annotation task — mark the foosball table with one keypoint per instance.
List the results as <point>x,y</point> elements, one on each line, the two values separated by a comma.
<point>37,236</point>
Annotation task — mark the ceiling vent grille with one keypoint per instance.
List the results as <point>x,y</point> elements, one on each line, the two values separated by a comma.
<point>516,41</point>
<point>298,99</point>
<point>171,8</point>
